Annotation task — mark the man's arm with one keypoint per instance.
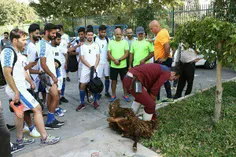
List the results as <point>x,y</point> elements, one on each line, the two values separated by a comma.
<point>97,60</point>
<point>131,57</point>
<point>149,56</point>
<point>155,88</point>
<point>85,62</point>
<point>167,50</point>
<point>45,67</point>
<point>125,55</point>
<point>10,81</point>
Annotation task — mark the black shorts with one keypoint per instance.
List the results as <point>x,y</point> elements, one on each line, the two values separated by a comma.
<point>115,71</point>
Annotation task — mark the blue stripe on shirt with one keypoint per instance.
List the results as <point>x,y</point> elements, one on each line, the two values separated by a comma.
<point>42,52</point>
<point>8,54</point>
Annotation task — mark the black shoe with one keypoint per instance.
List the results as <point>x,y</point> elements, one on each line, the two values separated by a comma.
<point>52,126</point>
<point>67,79</point>
<point>59,123</point>
<point>17,147</point>
<point>99,96</point>
<point>63,99</point>
<point>108,95</point>
<point>10,127</point>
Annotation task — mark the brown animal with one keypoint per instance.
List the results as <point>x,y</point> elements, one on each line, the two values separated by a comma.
<point>123,120</point>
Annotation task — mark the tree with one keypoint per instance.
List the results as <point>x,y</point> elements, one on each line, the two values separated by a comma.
<point>216,42</point>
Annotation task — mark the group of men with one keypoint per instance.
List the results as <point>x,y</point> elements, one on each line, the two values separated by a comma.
<point>129,58</point>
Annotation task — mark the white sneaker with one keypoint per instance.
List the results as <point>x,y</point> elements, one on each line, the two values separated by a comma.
<point>59,113</point>
<point>62,110</point>
<point>35,133</point>
<point>26,128</point>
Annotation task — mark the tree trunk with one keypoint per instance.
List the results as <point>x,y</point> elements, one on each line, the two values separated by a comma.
<point>219,91</point>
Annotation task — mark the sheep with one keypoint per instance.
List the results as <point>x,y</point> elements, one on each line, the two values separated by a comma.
<point>124,121</point>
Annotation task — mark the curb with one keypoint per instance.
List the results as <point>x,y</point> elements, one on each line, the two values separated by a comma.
<point>158,106</point>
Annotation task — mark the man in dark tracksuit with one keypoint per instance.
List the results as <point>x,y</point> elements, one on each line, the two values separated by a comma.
<point>152,76</point>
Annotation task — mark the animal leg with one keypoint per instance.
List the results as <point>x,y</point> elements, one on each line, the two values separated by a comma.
<point>136,139</point>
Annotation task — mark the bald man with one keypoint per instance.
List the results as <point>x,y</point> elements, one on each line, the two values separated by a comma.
<point>118,52</point>
<point>162,51</point>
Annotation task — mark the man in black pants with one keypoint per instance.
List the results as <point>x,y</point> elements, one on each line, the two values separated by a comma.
<point>5,149</point>
<point>188,58</point>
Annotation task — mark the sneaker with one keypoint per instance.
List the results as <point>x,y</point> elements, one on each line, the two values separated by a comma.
<point>126,98</point>
<point>52,126</point>
<point>25,141</point>
<point>113,98</point>
<point>10,127</point>
<point>18,109</point>
<point>16,147</point>
<point>67,79</point>
<point>26,129</point>
<point>80,107</point>
<point>63,99</point>
<point>59,123</point>
<point>95,105</point>
<point>108,95</point>
<point>90,99</point>
<point>168,100</point>
<point>50,140</point>
<point>35,133</point>
<point>62,110</point>
<point>59,113</point>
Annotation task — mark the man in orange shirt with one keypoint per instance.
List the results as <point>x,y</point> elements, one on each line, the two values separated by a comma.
<point>162,50</point>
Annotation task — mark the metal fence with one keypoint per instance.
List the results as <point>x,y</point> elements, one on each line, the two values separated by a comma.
<point>185,14</point>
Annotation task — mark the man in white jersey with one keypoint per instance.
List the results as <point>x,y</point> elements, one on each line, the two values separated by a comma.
<point>90,56</point>
<point>16,89</point>
<point>65,39</point>
<point>103,66</point>
<point>46,55</point>
<point>32,55</point>
<point>63,46</point>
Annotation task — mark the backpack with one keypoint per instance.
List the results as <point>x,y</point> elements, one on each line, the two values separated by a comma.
<point>72,64</point>
<point>2,78</point>
<point>95,85</point>
<point>94,38</point>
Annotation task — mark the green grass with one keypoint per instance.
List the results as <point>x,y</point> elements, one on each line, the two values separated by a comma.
<point>186,128</point>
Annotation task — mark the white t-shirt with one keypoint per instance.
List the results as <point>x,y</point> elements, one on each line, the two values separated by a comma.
<point>7,59</point>
<point>26,63</point>
<point>63,46</point>
<point>102,43</point>
<point>187,55</point>
<point>59,54</point>
<point>90,53</point>
<point>31,56</point>
<point>45,49</point>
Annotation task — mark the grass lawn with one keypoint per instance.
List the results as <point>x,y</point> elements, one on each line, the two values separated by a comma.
<point>186,128</point>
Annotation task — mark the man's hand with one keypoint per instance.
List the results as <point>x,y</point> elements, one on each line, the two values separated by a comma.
<point>65,66</point>
<point>32,85</point>
<point>142,62</point>
<point>161,60</point>
<point>16,98</point>
<point>55,80</point>
<point>117,62</point>
<point>32,64</point>
<point>130,67</point>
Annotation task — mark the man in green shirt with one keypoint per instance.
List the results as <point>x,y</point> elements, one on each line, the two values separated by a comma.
<point>141,50</point>
<point>117,53</point>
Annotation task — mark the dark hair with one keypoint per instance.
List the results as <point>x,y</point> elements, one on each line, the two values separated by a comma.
<point>89,30</point>
<point>60,27</point>
<point>102,28</point>
<point>33,27</point>
<point>42,33</point>
<point>176,70</point>
<point>89,27</point>
<point>128,28</point>
<point>17,33</point>
<point>58,35</point>
<point>49,27</point>
<point>6,33</point>
<point>81,29</point>
<point>118,27</point>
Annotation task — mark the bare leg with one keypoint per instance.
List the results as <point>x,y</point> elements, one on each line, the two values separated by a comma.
<point>19,127</point>
<point>53,92</point>
<point>27,119</point>
<point>113,87</point>
<point>38,120</point>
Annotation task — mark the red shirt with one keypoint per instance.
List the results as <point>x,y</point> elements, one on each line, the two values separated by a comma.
<point>152,76</point>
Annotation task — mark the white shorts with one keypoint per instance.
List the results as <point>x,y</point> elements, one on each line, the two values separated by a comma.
<point>60,80</point>
<point>63,70</point>
<point>26,98</point>
<point>85,76</point>
<point>36,83</point>
<point>48,87</point>
<point>79,72</point>
<point>103,68</point>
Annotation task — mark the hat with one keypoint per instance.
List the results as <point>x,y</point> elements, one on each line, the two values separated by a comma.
<point>140,30</point>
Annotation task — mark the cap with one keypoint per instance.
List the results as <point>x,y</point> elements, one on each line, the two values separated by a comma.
<point>140,30</point>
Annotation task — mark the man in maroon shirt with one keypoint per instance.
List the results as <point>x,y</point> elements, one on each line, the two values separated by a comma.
<point>152,76</point>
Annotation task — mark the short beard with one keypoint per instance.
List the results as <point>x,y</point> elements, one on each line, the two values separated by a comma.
<point>50,37</point>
